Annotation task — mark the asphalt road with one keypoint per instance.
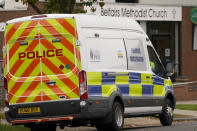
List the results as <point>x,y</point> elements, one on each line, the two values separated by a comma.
<point>179,126</point>
<point>183,126</point>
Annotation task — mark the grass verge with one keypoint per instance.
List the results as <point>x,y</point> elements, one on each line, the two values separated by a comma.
<point>2,116</point>
<point>13,128</point>
<point>181,116</point>
<point>177,116</point>
<point>192,107</point>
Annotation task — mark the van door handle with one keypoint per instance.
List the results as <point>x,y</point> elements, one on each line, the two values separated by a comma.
<point>24,43</point>
<point>56,40</point>
<point>116,74</point>
<point>51,83</point>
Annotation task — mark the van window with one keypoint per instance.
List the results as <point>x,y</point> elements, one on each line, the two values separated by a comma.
<point>155,64</point>
<point>135,55</point>
<point>106,53</point>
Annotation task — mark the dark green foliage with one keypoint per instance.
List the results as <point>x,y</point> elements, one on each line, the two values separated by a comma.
<point>61,6</point>
<point>13,128</point>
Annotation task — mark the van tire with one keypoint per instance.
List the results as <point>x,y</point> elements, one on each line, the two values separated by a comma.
<point>117,119</point>
<point>166,117</point>
<point>43,127</point>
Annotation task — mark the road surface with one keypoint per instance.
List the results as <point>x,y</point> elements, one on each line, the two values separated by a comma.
<point>177,126</point>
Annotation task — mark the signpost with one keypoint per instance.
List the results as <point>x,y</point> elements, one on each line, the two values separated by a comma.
<point>193,15</point>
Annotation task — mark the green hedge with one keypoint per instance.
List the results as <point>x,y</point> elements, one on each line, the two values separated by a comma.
<point>13,128</point>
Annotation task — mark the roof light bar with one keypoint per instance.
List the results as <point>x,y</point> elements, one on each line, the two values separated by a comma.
<point>38,16</point>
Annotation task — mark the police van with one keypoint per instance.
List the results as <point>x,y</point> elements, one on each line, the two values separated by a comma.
<point>72,70</point>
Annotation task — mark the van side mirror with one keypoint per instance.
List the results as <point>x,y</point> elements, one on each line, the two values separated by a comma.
<point>169,74</point>
<point>169,69</point>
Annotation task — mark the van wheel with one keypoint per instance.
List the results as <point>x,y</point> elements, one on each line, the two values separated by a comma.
<point>166,117</point>
<point>117,119</point>
<point>43,127</point>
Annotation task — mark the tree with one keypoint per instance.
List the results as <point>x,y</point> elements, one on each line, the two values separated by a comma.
<point>63,6</point>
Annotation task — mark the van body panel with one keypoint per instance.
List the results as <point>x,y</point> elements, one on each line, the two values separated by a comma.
<point>131,84</point>
<point>43,56</point>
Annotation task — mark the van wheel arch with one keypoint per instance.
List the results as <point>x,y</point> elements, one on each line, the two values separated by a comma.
<point>108,121</point>
<point>172,98</point>
<point>115,97</point>
<point>119,100</point>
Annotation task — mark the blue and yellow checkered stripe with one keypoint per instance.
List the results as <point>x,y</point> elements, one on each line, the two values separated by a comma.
<point>135,84</point>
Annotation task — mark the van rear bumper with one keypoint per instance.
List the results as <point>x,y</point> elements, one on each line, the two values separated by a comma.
<point>47,110</point>
<point>51,111</point>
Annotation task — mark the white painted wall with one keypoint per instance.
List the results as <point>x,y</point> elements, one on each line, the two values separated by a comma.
<point>12,5</point>
<point>170,2</point>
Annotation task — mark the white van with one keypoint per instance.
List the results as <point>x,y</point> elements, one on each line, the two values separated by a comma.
<point>77,69</point>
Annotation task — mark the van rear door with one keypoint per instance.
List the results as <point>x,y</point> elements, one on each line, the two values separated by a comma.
<point>43,61</point>
<point>22,70</point>
<point>60,65</point>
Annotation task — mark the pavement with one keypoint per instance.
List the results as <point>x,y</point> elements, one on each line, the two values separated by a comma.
<point>192,115</point>
<point>186,112</point>
<point>187,102</point>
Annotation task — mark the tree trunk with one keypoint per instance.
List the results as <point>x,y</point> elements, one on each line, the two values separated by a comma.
<point>35,7</point>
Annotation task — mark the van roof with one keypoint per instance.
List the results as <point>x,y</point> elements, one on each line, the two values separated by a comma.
<point>89,21</point>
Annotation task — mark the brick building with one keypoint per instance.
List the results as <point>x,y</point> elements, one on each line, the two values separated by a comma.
<point>173,34</point>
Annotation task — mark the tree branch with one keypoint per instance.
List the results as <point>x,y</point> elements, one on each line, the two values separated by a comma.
<point>35,7</point>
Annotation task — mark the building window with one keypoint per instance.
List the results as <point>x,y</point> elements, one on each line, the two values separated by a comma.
<point>194,37</point>
<point>127,1</point>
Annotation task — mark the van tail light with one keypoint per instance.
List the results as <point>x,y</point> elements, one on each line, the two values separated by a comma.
<point>6,92</point>
<point>83,85</point>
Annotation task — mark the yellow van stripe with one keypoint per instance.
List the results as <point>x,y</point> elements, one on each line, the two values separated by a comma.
<point>23,87</point>
<point>34,93</point>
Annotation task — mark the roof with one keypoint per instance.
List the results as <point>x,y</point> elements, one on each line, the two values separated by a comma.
<point>89,21</point>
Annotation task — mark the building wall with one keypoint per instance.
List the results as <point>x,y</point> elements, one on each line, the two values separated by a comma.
<point>188,56</point>
<point>160,2</point>
<point>185,92</point>
<point>170,2</point>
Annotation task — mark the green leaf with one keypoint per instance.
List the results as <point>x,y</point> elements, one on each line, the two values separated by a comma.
<point>61,6</point>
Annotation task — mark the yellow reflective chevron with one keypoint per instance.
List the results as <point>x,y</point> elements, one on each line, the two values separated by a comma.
<point>32,54</point>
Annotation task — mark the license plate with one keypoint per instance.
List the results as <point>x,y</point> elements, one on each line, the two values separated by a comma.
<point>28,110</point>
